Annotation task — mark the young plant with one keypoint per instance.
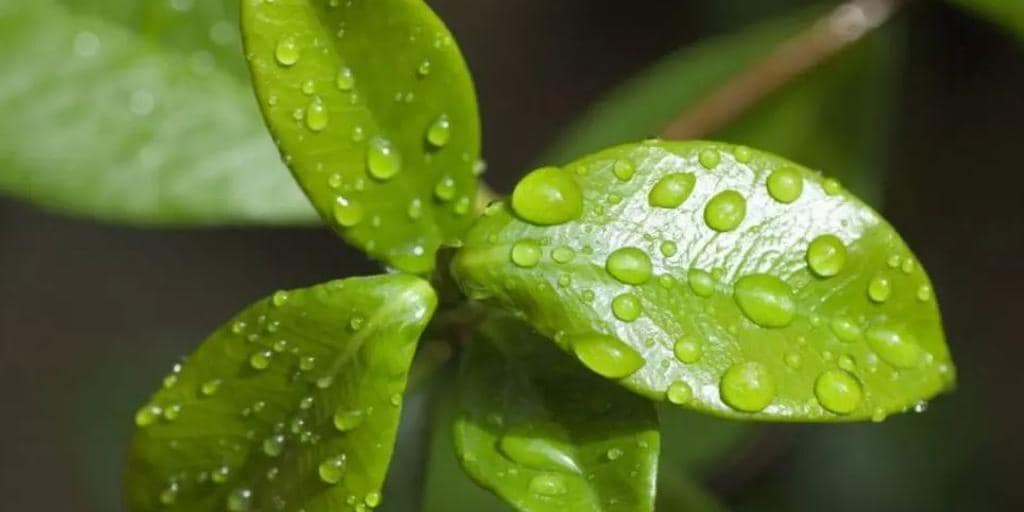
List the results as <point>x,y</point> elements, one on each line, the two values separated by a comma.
<point>715,277</point>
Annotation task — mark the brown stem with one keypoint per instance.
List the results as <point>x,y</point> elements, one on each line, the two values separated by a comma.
<point>836,31</point>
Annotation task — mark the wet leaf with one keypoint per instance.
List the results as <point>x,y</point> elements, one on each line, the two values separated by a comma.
<point>293,404</point>
<point>544,434</point>
<point>137,112</point>
<point>373,109</point>
<point>756,289</point>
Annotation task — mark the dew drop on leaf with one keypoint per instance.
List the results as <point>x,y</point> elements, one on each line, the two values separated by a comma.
<point>709,158</point>
<point>785,184</point>
<point>623,169</point>
<point>548,196</point>
<point>316,115</point>
<point>606,355</point>
<point>345,80</point>
<point>895,346</point>
<point>346,420</point>
<point>629,265</point>
<point>287,51</point>
<point>525,253</point>
<point>765,300</point>
<point>439,132</point>
<point>879,289</point>
<point>444,190</point>
<point>826,255</point>
<point>701,282</point>
<point>382,160</point>
<point>347,212</point>
<point>671,190</point>
<point>845,329</point>
<point>747,387</point>
<point>626,307</point>
<point>547,484</point>
<point>679,392</point>
<point>725,211</point>
<point>688,351</point>
<point>240,500</point>
<point>838,391</point>
<point>332,470</point>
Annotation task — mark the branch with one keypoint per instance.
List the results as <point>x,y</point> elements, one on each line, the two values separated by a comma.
<point>836,31</point>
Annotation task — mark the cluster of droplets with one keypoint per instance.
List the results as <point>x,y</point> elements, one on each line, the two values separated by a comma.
<point>262,332</point>
<point>552,196</point>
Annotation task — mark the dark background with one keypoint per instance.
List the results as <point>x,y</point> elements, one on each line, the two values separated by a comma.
<point>91,316</point>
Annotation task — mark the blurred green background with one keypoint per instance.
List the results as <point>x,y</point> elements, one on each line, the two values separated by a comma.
<point>927,124</point>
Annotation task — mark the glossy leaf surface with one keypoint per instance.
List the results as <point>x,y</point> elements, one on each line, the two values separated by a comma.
<point>1008,13</point>
<point>758,290</point>
<point>293,404</point>
<point>546,435</point>
<point>799,120</point>
<point>373,109</point>
<point>137,112</point>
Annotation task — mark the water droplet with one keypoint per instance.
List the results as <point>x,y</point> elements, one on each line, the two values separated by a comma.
<point>240,500</point>
<point>415,209</point>
<point>345,80</point>
<point>382,159</point>
<point>332,470</point>
<point>623,169</point>
<point>838,391</point>
<point>548,196</point>
<point>170,494</point>
<point>273,445</point>
<point>725,211</point>
<point>606,355</point>
<point>287,52</point>
<point>423,69</point>
<point>826,255</point>
<point>908,265</point>
<point>439,132</point>
<point>845,329</point>
<point>879,289</point>
<point>613,454</point>
<point>701,282</point>
<point>895,346</point>
<point>260,360</point>
<point>280,298</point>
<point>526,253</point>
<point>709,158</point>
<point>563,255</point>
<point>346,420</point>
<point>671,190</point>
<point>679,392</point>
<point>785,184</point>
<point>220,475</point>
<point>924,293</point>
<point>539,446</point>
<point>547,484</point>
<point>629,265</point>
<point>307,363</point>
<point>878,415</point>
<point>688,351</point>
<point>747,387</point>
<point>171,412</point>
<point>831,186</point>
<point>316,115</point>
<point>793,360</point>
<point>372,499</point>
<point>765,300</point>
<point>626,307</point>
<point>147,415</point>
<point>742,154</point>
<point>348,212</point>
<point>210,387</point>
<point>445,190</point>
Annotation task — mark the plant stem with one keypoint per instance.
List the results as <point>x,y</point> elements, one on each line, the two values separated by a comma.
<point>839,29</point>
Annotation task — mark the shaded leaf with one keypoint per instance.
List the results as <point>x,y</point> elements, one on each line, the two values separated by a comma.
<point>761,290</point>
<point>294,403</point>
<point>545,435</point>
<point>136,112</point>
<point>1007,13</point>
<point>373,108</point>
<point>833,118</point>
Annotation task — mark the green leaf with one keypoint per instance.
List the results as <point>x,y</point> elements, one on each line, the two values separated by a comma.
<point>1007,13</point>
<point>293,404</point>
<point>373,108</point>
<point>136,112</point>
<point>799,120</point>
<point>545,435</point>
<point>765,292</point>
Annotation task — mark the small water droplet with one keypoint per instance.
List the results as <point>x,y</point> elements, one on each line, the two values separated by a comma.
<point>210,387</point>
<point>895,346</point>
<point>785,184</point>
<point>372,499</point>
<point>547,484</point>
<point>671,190</point>
<point>613,454</point>
<point>423,70</point>
<point>280,298</point>
<point>629,265</point>
<point>709,158</point>
<point>879,289</point>
<point>679,392</point>
<point>260,360</point>
<point>793,360</point>
<point>439,132</point>
<point>924,293</point>
<point>345,80</point>
<point>626,307</point>
<point>548,196</point>
<point>742,154</point>
<point>701,282</point>
<point>240,500</point>
<point>623,169</point>
<point>382,160</point>
<point>348,212</point>
<point>332,470</point>
<point>273,445</point>
<point>147,415</point>
<point>316,115</point>
<point>346,420</point>
<point>688,351</point>
<point>747,387</point>
<point>415,209</point>
<point>725,211</point>
<point>845,329</point>
<point>563,255</point>
<point>445,189</point>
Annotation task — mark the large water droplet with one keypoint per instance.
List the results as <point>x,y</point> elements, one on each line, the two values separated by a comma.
<point>382,159</point>
<point>725,211</point>
<point>439,132</point>
<point>525,253</point>
<point>747,387</point>
<point>539,446</point>
<point>348,212</point>
<point>606,355</point>
<point>838,391</point>
<point>332,470</point>
<point>671,190</point>
<point>629,265</point>
<point>548,196</point>
<point>765,300</point>
<point>626,307</point>
<point>895,346</point>
<point>287,51</point>
<point>785,184</point>
<point>826,255</point>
